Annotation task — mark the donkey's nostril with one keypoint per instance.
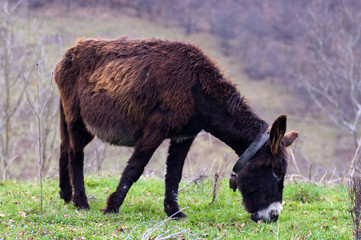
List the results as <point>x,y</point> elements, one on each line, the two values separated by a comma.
<point>255,217</point>
<point>274,215</point>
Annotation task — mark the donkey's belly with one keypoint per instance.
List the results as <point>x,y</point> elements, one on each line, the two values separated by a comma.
<point>116,134</point>
<point>103,117</point>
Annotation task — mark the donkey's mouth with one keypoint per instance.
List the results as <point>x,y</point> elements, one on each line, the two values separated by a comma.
<point>269,214</point>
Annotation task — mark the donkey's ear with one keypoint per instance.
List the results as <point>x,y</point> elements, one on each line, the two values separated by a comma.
<point>278,130</point>
<point>289,138</point>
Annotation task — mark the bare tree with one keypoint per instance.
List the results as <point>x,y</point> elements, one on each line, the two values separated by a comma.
<point>223,22</point>
<point>39,94</point>
<point>17,57</point>
<point>334,80</point>
<point>334,85</point>
<point>11,98</point>
<point>49,99</point>
<point>37,107</point>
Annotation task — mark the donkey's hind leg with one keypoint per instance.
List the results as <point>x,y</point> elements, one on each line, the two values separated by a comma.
<point>64,178</point>
<point>175,161</point>
<point>79,138</point>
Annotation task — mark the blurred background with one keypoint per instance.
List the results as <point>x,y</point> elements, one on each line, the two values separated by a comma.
<point>295,57</point>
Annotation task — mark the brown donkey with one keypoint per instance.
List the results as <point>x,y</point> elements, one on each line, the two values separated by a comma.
<point>140,92</point>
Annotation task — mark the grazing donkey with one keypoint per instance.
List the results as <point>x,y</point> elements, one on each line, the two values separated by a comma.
<point>140,92</point>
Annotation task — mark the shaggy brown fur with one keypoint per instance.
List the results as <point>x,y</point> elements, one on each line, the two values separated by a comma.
<point>137,93</point>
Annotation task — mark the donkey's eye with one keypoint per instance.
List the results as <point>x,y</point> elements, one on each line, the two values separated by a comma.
<point>278,174</point>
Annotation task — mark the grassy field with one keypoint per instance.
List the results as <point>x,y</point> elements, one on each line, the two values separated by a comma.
<point>310,212</point>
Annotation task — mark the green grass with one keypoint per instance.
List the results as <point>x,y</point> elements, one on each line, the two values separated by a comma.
<point>310,212</point>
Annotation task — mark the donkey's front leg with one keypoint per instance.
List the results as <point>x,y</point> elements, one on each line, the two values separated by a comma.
<point>143,151</point>
<point>131,174</point>
<point>175,161</point>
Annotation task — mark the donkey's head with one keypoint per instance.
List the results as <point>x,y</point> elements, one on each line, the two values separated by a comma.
<point>260,178</point>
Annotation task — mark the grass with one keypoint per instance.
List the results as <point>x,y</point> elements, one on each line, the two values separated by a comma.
<point>310,212</point>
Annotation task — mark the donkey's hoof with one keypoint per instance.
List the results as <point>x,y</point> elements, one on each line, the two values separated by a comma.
<point>87,208</point>
<point>111,210</point>
<point>84,207</point>
<point>178,216</point>
<point>65,195</point>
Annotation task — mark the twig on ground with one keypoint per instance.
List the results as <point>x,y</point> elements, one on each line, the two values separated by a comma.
<point>195,180</point>
<point>294,161</point>
<point>150,231</point>
<point>323,177</point>
<point>218,176</point>
<point>216,185</point>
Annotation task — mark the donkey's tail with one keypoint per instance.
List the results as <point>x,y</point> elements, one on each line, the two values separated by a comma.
<point>64,72</point>
<point>63,125</point>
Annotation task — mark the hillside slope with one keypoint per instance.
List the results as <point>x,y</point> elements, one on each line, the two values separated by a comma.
<point>317,141</point>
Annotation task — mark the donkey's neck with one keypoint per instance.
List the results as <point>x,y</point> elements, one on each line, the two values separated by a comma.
<point>238,129</point>
<point>240,134</point>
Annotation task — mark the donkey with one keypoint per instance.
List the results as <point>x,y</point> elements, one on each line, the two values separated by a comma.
<point>140,92</point>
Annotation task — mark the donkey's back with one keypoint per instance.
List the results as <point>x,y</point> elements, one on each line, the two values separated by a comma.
<point>116,86</point>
